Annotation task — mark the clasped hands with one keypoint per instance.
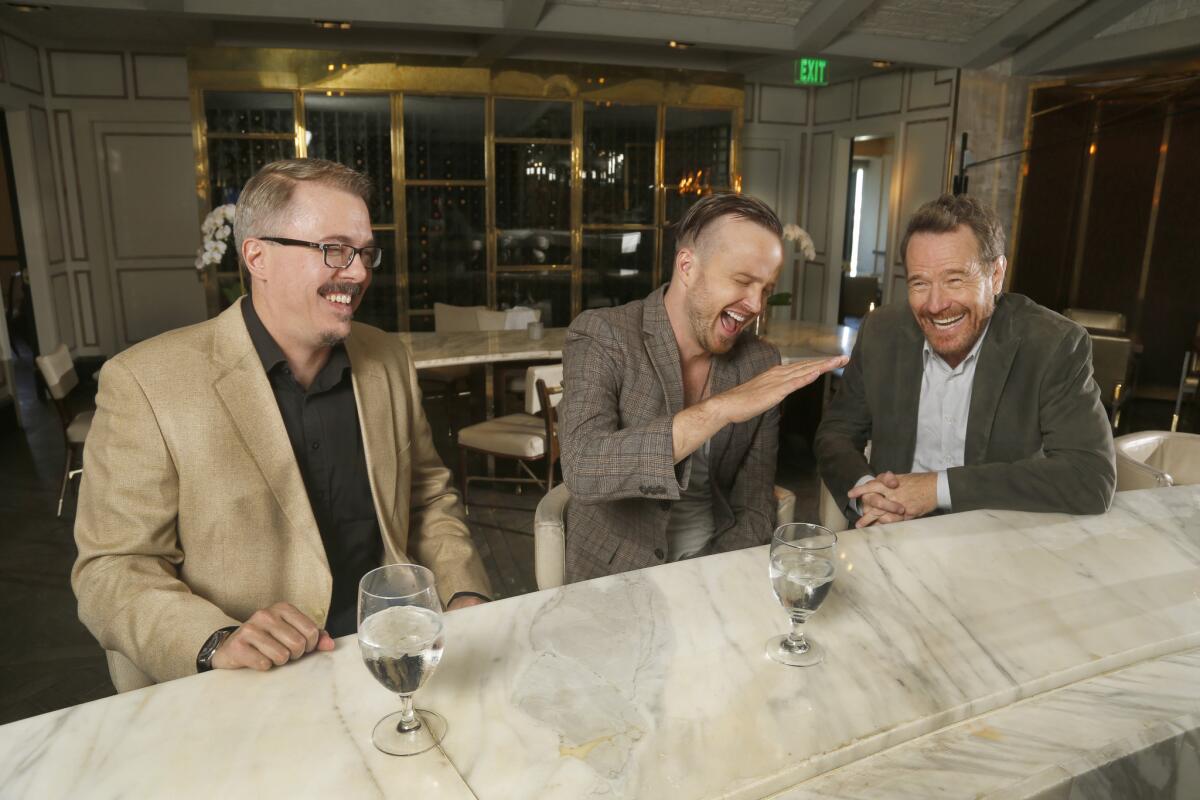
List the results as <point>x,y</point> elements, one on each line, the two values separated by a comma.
<point>280,633</point>
<point>889,497</point>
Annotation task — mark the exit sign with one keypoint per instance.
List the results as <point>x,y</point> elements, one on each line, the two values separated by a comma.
<point>811,72</point>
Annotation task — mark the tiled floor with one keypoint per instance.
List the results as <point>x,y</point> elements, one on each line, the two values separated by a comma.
<point>48,660</point>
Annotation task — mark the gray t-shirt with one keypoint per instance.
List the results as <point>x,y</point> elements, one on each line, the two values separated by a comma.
<point>690,527</point>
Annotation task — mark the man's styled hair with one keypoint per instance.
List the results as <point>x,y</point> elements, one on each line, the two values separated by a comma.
<point>265,199</point>
<point>945,214</point>
<point>724,204</point>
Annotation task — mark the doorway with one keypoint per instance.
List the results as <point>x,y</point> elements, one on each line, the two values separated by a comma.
<point>867,226</point>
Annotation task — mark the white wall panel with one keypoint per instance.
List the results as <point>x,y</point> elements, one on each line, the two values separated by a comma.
<point>39,128</point>
<point>158,299</point>
<point>76,73</point>
<point>152,195</point>
<point>24,69</point>
<point>762,172</point>
<point>783,104</point>
<point>834,103</point>
<point>813,297</point>
<point>880,94</point>
<point>924,168</point>
<point>64,310</point>
<point>931,89</point>
<point>86,301</point>
<point>159,77</point>
<point>820,169</point>
<point>69,170</point>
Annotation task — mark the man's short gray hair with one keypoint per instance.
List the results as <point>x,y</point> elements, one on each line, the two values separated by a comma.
<point>265,199</point>
<point>945,214</point>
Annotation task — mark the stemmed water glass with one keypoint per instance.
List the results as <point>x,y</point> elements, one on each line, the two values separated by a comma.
<point>802,569</point>
<point>400,637</point>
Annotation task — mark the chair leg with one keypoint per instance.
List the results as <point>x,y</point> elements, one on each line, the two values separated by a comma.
<point>66,479</point>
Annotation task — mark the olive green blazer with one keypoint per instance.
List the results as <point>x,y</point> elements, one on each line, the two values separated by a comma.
<point>1037,436</point>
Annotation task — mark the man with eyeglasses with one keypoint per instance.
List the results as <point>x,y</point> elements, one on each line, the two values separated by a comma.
<point>242,474</point>
<point>970,398</point>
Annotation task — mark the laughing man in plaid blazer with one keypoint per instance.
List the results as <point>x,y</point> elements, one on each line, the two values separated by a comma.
<point>669,420</point>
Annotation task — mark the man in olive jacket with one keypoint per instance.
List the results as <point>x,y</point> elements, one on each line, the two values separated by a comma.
<point>969,398</point>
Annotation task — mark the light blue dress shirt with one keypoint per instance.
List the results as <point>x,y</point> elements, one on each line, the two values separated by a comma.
<point>941,419</point>
<point>942,416</point>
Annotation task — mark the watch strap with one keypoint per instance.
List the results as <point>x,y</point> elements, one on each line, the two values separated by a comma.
<point>209,649</point>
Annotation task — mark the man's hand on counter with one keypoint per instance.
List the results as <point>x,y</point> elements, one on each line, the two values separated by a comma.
<point>272,637</point>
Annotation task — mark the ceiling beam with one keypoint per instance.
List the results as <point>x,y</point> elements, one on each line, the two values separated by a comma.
<point>825,22</point>
<point>1157,40</point>
<point>519,15</point>
<point>896,48</point>
<point>1014,29</point>
<point>1076,29</point>
<point>523,14</point>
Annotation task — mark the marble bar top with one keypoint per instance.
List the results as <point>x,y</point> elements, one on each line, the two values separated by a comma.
<point>796,341</point>
<point>654,683</point>
<point>1132,733</point>
<point>481,347</point>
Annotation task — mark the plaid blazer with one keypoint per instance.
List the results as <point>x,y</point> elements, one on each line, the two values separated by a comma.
<point>622,386</point>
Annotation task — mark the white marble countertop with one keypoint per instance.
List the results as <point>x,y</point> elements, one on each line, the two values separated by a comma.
<point>796,341</point>
<point>654,683</point>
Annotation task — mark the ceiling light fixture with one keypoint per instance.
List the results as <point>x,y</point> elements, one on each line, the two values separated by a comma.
<point>678,45</point>
<point>332,24</point>
<point>879,63</point>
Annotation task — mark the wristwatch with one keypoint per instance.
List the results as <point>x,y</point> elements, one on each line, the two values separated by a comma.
<point>204,660</point>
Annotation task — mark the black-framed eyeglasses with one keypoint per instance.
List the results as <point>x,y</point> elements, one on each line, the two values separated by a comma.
<point>337,256</point>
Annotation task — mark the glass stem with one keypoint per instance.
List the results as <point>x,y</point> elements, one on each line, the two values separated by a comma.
<point>408,716</point>
<point>796,642</point>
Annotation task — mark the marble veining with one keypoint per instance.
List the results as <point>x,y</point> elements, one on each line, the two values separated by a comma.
<point>1131,733</point>
<point>654,683</point>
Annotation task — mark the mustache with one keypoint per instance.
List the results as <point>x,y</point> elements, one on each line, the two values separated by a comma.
<point>352,289</point>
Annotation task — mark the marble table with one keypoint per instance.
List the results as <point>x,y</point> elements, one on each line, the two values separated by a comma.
<point>481,347</point>
<point>795,340</point>
<point>980,654</point>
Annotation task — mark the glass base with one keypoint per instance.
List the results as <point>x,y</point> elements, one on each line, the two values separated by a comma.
<point>388,738</point>
<point>780,649</point>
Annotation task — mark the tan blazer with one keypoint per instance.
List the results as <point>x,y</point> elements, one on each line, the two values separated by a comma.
<point>192,511</point>
<point>622,388</point>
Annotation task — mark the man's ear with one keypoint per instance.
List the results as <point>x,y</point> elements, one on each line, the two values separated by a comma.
<point>998,275</point>
<point>254,256</point>
<point>685,263</point>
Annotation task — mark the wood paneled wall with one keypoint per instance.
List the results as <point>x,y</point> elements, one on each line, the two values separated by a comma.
<point>1109,204</point>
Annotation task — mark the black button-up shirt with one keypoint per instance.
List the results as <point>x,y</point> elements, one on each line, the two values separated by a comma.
<point>323,426</point>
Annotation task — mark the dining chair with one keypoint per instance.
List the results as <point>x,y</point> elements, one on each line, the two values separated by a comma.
<point>524,438</point>
<point>1113,370</point>
<point>58,370</point>
<point>1110,322</point>
<point>452,382</point>
<point>550,532</point>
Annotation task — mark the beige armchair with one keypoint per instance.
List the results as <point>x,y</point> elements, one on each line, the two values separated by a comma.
<point>1110,322</point>
<point>1152,459</point>
<point>550,532</point>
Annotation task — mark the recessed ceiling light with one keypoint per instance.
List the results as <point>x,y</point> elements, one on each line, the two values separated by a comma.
<point>678,45</point>
<point>332,24</point>
<point>879,63</point>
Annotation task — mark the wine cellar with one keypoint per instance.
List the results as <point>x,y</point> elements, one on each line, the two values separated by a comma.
<point>549,186</point>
